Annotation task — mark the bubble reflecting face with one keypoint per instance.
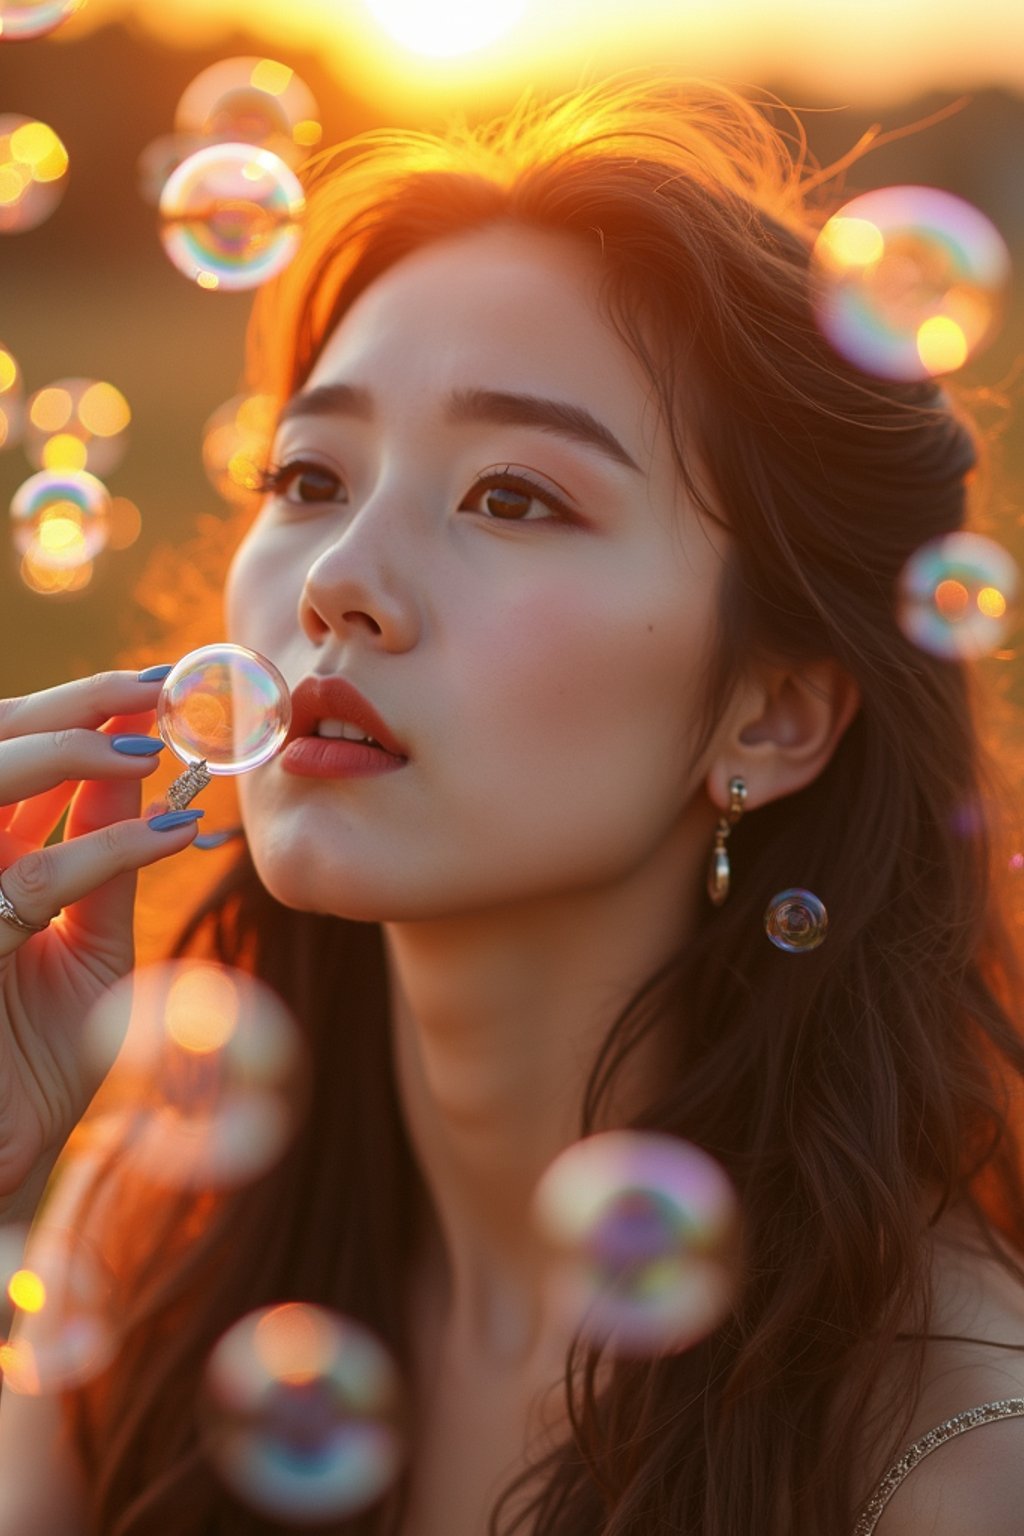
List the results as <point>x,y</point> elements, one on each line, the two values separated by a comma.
<point>911,281</point>
<point>60,518</point>
<point>210,1071</point>
<point>302,1413</point>
<point>225,705</point>
<point>77,424</point>
<point>56,1314</point>
<point>957,596</point>
<point>33,168</point>
<point>12,408</point>
<point>642,1236</point>
<point>236,445</point>
<point>21,19</point>
<point>231,216</point>
<point>796,920</point>
<point>252,100</point>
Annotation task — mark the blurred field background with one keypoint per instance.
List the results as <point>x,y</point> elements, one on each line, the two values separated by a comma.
<point>91,293</point>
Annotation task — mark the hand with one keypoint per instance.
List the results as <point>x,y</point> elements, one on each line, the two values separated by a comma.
<point>56,754</point>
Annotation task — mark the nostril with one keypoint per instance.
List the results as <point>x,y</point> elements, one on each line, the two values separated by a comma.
<point>356,616</point>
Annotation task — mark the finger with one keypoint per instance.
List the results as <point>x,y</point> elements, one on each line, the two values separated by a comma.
<point>88,702</point>
<point>75,875</point>
<point>30,822</point>
<point>31,765</point>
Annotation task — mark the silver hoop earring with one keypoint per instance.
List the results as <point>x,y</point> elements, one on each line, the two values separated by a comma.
<point>719,869</point>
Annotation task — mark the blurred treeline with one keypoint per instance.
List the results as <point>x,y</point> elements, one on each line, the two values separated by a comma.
<point>91,293</point>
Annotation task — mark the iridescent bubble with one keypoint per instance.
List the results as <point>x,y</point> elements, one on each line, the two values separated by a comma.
<point>210,1073</point>
<point>957,596</point>
<point>22,19</point>
<point>641,1231</point>
<point>56,1313</point>
<point>912,281</point>
<point>12,409</point>
<point>231,216</point>
<point>236,445</point>
<point>225,705</point>
<point>796,921</point>
<point>60,518</point>
<point>252,101</point>
<point>160,157</point>
<point>33,168</point>
<point>302,1413</point>
<point>77,424</point>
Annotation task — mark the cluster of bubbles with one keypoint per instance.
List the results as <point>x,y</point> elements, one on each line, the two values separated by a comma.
<point>210,1072</point>
<point>225,706</point>
<point>77,424</point>
<point>641,1235</point>
<point>24,19</point>
<point>33,172</point>
<point>912,281</point>
<point>236,445</point>
<point>796,921</point>
<point>56,1318</point>
<point>303,1413</point>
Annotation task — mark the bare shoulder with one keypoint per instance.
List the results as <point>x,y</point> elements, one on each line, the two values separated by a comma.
<point>967,1422</point>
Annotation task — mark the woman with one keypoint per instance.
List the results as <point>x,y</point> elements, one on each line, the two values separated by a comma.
<point>574,514</point>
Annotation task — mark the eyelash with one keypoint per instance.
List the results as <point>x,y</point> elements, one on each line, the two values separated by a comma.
<point>276,479</point>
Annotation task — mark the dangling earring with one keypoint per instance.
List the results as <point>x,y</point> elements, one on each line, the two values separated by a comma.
<point>719,869</point>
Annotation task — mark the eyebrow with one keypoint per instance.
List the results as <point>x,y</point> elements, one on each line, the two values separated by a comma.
<point>497,407</point>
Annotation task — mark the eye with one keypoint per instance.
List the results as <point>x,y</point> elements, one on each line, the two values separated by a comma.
<point>301,481</point>
<point>513,496</point>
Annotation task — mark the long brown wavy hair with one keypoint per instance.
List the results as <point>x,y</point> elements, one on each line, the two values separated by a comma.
<point>837,1088</point>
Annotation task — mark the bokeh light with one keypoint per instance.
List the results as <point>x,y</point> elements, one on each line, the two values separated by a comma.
<point>59,520</point>
<point>12,406</point>
<point>236,445</point>
<point>302,1413</point>
<point>957,596</point>
<point>796,921</point>
<point>911,283</point>
<point>252,100</point>
<point>210,1069</point>
<point>642,1234</point>
<point>445,28</point>
<point>226,706</point>
<point>231,216</point>
<point>33,172</point>
<point>24,19</point>
<point>56,1314</point>
<point>77,424</point>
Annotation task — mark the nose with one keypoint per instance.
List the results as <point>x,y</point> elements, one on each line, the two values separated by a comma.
<point>354,588</point>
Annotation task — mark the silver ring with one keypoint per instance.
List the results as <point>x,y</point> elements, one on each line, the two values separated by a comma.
<point>10,915</point>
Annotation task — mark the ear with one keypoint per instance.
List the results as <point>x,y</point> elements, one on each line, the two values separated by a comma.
<point>782,730</point>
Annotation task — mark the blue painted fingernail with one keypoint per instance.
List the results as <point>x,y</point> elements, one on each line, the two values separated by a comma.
<point>137,746</point>
<point>155,674</point>
<point>171,819</point>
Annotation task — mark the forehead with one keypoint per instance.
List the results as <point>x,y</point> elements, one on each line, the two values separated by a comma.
<point>503,307</point>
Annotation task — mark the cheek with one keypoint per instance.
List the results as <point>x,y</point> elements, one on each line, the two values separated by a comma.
<point>259,605</point>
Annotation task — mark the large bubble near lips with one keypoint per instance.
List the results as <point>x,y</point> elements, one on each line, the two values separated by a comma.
<point>910,281</point>
<point>209,1076</point>
<point>231,216</point>
<point>24,19</point>
<point>957,596</point>
<point>33,172</point>
<point>302,1413</point>
<point>226,706</point>
<point>641,1232</point>
<point>60,518</point>
<point>57,1324</point>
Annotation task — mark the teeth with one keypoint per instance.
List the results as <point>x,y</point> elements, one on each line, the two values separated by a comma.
<point>341,730</point>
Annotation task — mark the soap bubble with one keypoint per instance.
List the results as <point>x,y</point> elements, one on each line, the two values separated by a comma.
<point>225,705</point>
<point>302,1413</point>
<point>60,518</point>
<point>252,101</point>
<point>22,19</point>
<point>796,921</point>
<point>236,445</point>
<point>211,1071</point>
<point>56,1311</point>
<point>160,157</point>
<point>912,281</point>
<point>12,409</point>
<point>33,168</point>
<point>77,424</point>
<point>957,596</point>
<point>642,1236</point>
<point>231,216</point>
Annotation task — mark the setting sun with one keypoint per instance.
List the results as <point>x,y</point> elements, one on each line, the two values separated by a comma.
<point>444,28</point>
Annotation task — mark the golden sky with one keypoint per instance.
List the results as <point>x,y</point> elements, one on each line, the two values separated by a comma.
<point>858,51</point>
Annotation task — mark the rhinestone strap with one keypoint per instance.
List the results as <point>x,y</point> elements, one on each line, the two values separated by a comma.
<point>971,1418</point>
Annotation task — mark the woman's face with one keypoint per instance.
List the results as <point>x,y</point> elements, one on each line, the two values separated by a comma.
<point>478,524</point>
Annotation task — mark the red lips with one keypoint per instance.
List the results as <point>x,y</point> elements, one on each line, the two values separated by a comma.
<point>332,698</point>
